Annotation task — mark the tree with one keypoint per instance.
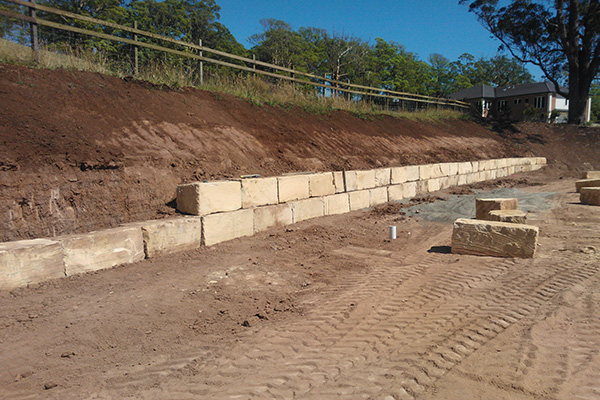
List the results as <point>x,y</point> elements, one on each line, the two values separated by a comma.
<point>278,44</point>
<point>562,37</point>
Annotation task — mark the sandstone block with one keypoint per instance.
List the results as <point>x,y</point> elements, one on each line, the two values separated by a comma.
<point>433,185</point>
<point>501,163</point>
<point>426,171</point>
<point>102,249</point>
<point>396,192</point>
<point>359,200</point>
<point>30,261</point>
<point>269,216</point>
<point>473,177</point>
<point>484,206</point>
<point>410,189</point>
<point>337,204</point>
<point>586,183</point>
<point>510,216</point>
<point>540,160</point>
<point>259,192</point>
<point>491,238</point>
<point>378,196</point>
<point>166,236</point>
<point>383,177</point>
<point>462,179</point>
<point>465,168</point>
<point>590,175</point>
<point>475,166</point>
<point>590,195</point>
<point>412,173</point>
<point>217,228</point>
<point>308,208</point>
<point>338,181</point>
<point>448,169</point>
<point>422,187</point>
<point>321,184</point>
<point>398,175</point>
<point>293,187</point>
<point>202,198</point>
<point>360,180</point>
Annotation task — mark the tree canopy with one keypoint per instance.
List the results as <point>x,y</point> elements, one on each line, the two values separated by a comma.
<point>562,37</point>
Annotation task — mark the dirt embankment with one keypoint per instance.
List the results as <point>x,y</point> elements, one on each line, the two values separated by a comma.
<point>83,151</point>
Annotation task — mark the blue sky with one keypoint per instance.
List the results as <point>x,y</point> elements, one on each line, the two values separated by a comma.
<point>423,26</point>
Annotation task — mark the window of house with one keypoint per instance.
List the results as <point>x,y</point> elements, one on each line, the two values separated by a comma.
<point>526,101</point>
<point>517,101</point>
<point>501,105</point>
<point>539,102</point>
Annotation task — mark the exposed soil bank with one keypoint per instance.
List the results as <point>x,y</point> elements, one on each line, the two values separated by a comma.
<point>82,151</point>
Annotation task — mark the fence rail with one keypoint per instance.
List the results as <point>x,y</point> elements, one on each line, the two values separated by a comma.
<point>314,80</point>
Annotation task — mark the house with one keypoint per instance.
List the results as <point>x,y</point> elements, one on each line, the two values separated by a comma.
<point>533,101</point>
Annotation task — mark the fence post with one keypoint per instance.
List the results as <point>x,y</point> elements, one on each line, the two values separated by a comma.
<point>35,46</point>
<point>254,65</point>
<point>201,64</point>
<point>135,51</point>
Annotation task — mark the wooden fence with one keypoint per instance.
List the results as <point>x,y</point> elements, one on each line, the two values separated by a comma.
<point>388,97</point>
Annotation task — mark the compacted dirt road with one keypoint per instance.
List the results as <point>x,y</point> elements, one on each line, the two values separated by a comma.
<point>327,308</point>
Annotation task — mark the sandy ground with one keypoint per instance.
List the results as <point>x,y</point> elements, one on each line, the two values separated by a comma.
<point>327,308</point>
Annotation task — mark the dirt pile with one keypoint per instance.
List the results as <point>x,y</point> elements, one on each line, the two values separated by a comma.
<point>82,151</point>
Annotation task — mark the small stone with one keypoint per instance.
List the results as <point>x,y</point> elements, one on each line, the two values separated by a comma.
<point>50,385</point>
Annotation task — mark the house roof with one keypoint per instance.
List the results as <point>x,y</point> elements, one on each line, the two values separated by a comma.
<point>488,92</point>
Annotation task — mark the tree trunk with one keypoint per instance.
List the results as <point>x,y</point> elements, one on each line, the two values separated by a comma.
<point>579,90</point>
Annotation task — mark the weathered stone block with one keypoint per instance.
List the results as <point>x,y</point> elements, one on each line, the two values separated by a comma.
<point>590,175</point>
<point>321,184</point>
<point>166,236</point>
<point>382,177</point>
<point>433,185</point>
<point>217,228</point>
<point>447,169</point>
<point>269,216</point>
<point>422,187</point>
<point>307,209</point>
<point>396,192</point>
<point>491,238</point>
<point>484,206</point>
<point>202,198</point>
<point>378,196</point>
<point>359,200</point>
<point>540,160</point>
<point>590,195</point>
<point>462,179</point>
<point>426,171</point>
<point>510,216</point>
<point>258,192</point>
<point>473,177</point>
<point>475,166</point>
<point>293,187</point>
<point>337,204</point>
<point>412,173</point>
<point>338,181</point>
<point>410,189</point>
<point>398,175</point>
<point>30,261</point>
<point>102,249</point>
<point>586,183</point>
<point>465,168</point>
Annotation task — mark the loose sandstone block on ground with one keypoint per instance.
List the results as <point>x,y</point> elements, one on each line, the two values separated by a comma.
<point>338,181</point>
<point>269,216</point>
<point>590,175</point>
<point>307,209</point>
<point>321,184</point>
<point>360,180</point>
<point>484,206</point>
<point>510,216</point>
<point>30,261</point>
<point>382,177</point>
<point>259,192</point>
<point>586,183</point>
<point>491,238</point>
<point>166,236</point>
<point>359,200</point>
<point>102,249</point>
<point>337,204</point>
<point>378,196</point>
<point>395,192</point>
<point>590,195</point>
<point>293,187</point>
<point>217,228</point>
<point>202,198</point>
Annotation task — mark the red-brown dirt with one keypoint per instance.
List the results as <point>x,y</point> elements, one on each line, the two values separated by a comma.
<point>327,308</point>
<point>82,151</point>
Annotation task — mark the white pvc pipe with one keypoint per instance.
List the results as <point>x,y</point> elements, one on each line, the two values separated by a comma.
<point>392,232</point>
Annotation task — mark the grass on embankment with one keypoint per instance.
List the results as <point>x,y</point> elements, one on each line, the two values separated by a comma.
<point>254,89</point>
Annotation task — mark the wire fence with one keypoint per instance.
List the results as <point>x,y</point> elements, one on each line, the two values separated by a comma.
<point>139,39</point>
